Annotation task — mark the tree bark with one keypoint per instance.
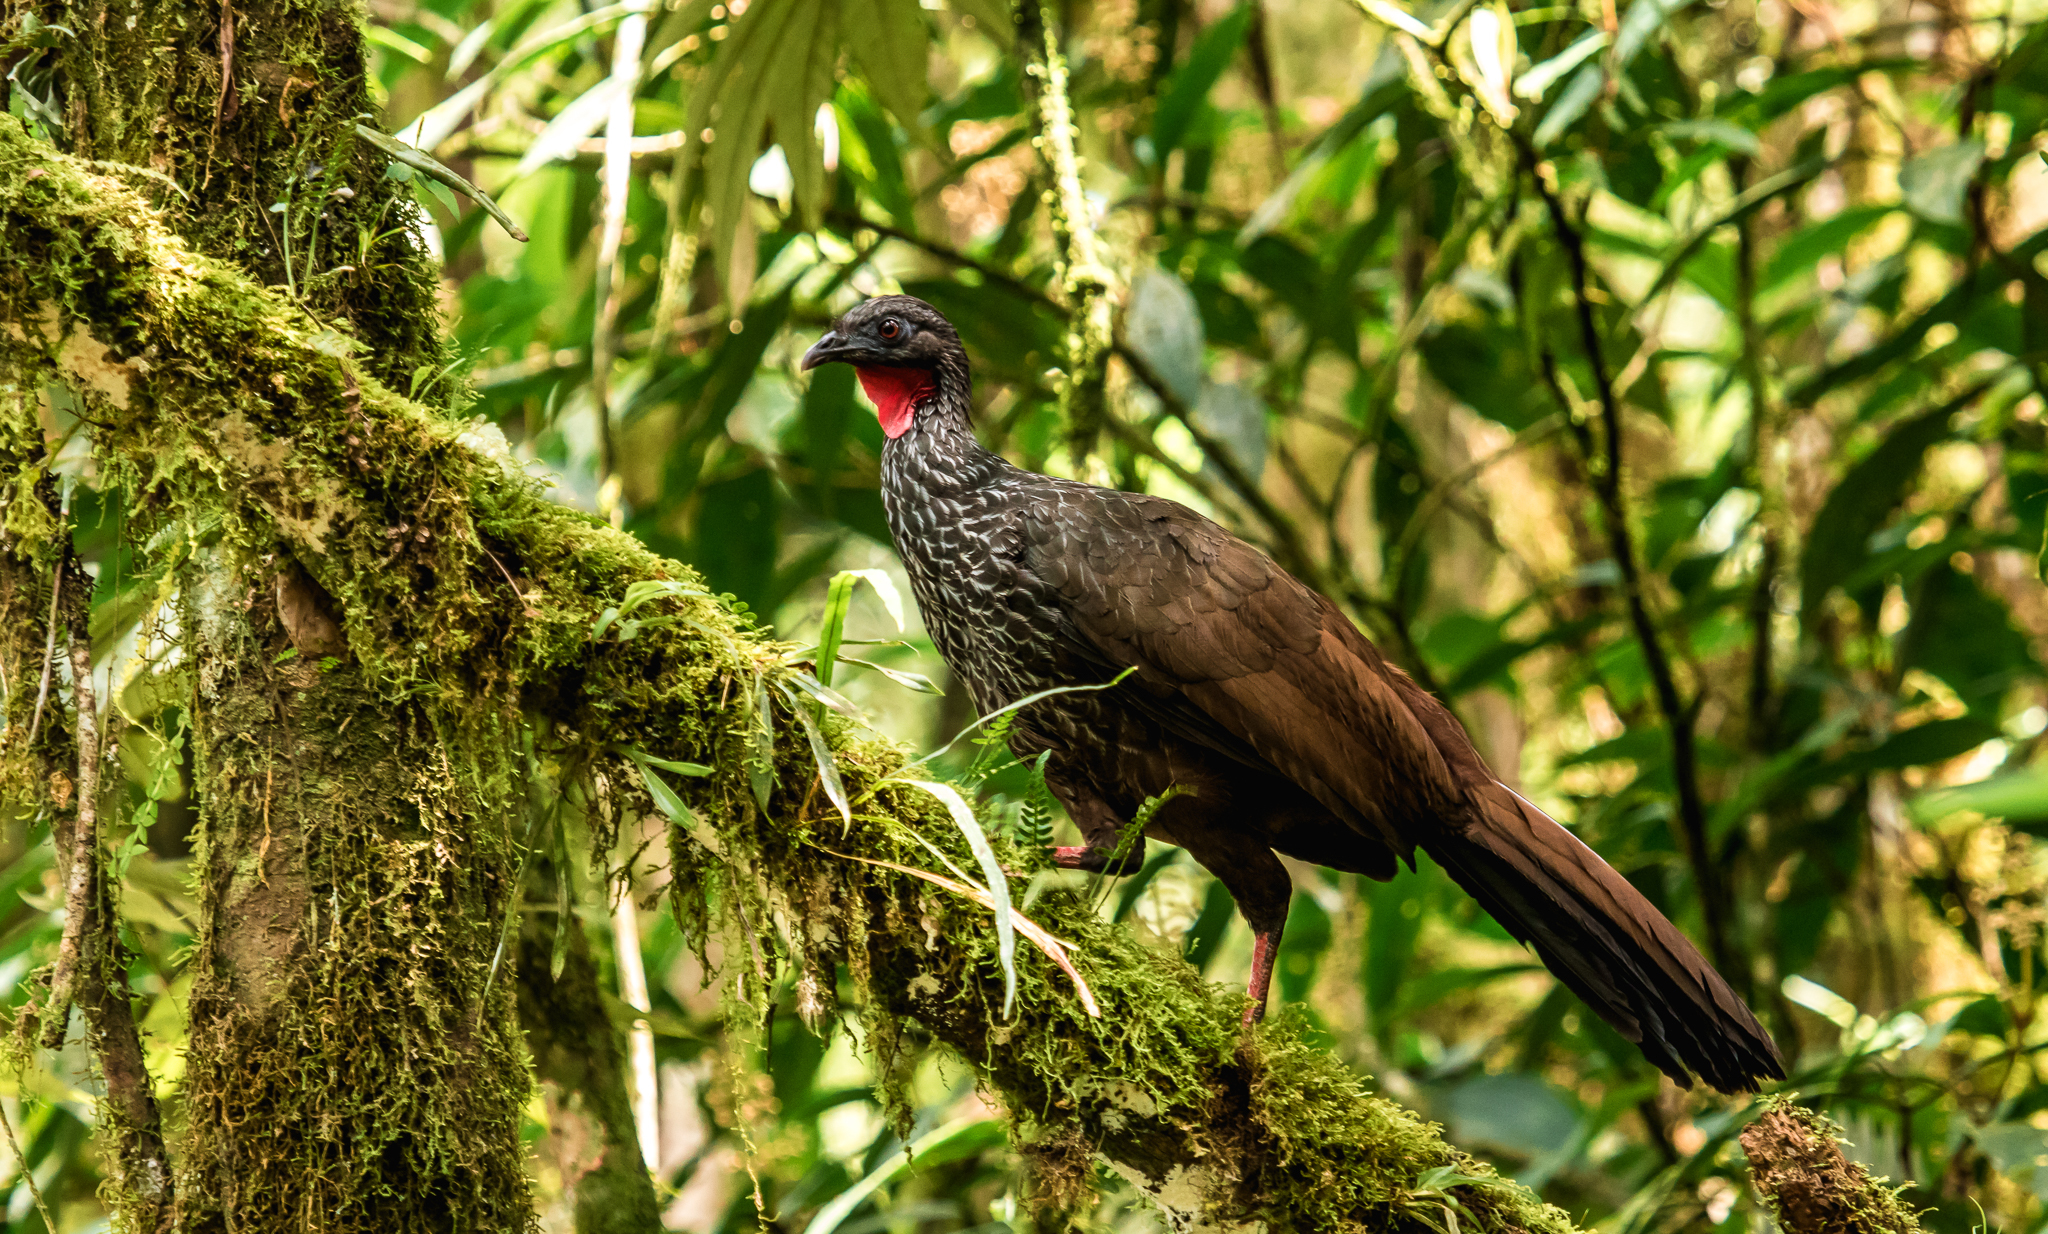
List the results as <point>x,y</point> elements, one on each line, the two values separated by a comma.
<point>1797,1164</point>
<point>345,1063</point>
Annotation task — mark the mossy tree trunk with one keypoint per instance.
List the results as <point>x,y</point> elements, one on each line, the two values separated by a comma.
<point>349,1054</point>
<point>347,1065</point>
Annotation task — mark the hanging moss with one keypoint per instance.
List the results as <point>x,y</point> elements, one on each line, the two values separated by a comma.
<point>469,604</point>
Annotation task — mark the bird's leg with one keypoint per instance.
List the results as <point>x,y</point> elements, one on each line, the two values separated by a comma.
<point>1259,883</point>
<point>1265,945</point>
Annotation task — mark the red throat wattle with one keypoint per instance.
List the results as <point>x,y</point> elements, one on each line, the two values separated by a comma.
<point>895,393</point>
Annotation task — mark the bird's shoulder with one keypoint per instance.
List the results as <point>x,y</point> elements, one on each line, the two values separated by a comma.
<point>1151,581</point>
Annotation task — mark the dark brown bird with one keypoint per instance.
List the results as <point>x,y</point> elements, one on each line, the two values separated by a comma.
<point>1284,727</point>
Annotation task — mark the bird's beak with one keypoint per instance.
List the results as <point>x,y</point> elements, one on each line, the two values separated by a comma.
<point>834,348</point>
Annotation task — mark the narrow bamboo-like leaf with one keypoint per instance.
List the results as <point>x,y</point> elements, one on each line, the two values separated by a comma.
<point>800,83</point>
<point>465,52</point>
<point>902,677</point>
<point>837,598</point>
<point>680,768</point>
<point>736,84</point>
<point>420,160</point>
<point>570,127</point>
<point>1026,701</point>
<point>885,589</point>
<point>565,899</point>
<point>1054,949</point>
<point>1188,89</point>
<point>1533,83</point>
<point>1579,95</point>
<point>992,870</point>
<point>955,1141</point>
<point>826,695</point>
<point>761,739</point>
<point>828,767</point>
<point>665,798</point>
<point>391,40</point>
<point>2020,795</point>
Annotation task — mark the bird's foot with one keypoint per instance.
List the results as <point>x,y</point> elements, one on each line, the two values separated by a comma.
<point>1100,858</point>
<point>1073,857</point>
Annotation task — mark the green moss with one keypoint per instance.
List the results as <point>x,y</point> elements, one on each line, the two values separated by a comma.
<point>469,605</point>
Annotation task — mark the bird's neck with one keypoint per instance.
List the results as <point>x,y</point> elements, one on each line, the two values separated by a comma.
<point>938,455</point>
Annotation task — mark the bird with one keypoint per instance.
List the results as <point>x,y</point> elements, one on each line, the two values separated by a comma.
<point>1264,719</point>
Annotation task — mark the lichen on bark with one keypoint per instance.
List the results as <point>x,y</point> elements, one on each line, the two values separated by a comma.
<point>470,606</point>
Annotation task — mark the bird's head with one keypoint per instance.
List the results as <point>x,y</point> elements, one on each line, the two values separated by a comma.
<point>904,352</point>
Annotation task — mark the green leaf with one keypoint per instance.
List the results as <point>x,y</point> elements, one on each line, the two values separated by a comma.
<point>890,41</point>
<point>1392,929</point>
<point>956,1141</point>
<point>837,597</point>
<point>828,767</point>
<point>738,536</point>
<point>1966,638</point>
<point>775,68</point>
<point>1532,84</point>
<point>826,695</point>
<point>1933,184</point>
<point>1579,94</point>
<point>1164,326</point>
<point>1642,21</point>
<point>801,84</point>
<point>828,409</point>
<point>439,192</point>
<point>665,798</point>
<point>1188,89</point>
<point>761,743</point>
<point>991,870</point>
<point>1797,256</point>
<point>2021,795</point>
<point>902,677</point>
<point>1859,505</point>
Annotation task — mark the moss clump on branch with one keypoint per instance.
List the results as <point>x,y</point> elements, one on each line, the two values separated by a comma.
<point>470,600</point>
<point>1797,1163</point>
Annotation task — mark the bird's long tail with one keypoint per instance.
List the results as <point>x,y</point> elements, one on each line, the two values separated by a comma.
<point>1605,941</point>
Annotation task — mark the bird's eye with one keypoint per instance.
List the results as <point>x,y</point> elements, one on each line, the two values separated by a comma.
<point>889,328</point>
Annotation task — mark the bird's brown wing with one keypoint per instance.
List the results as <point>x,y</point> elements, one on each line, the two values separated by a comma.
<point>1230,642</point>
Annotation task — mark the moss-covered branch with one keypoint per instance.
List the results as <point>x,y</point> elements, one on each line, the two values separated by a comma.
<point>1797,1163</point>
<point>223,410</point>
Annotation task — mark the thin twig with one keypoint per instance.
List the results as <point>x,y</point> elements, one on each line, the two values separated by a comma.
<point>1679,715</point>
<point>21,1159</point>
<point>79,844</point>
<point>49,654</point>
<point>89,967</point>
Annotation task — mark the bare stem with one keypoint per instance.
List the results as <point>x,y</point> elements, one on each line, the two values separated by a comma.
<point>1085,276</point>
<point>1679,715</point>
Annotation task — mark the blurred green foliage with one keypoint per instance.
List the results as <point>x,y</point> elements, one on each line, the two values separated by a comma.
<point>1398,290</point>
